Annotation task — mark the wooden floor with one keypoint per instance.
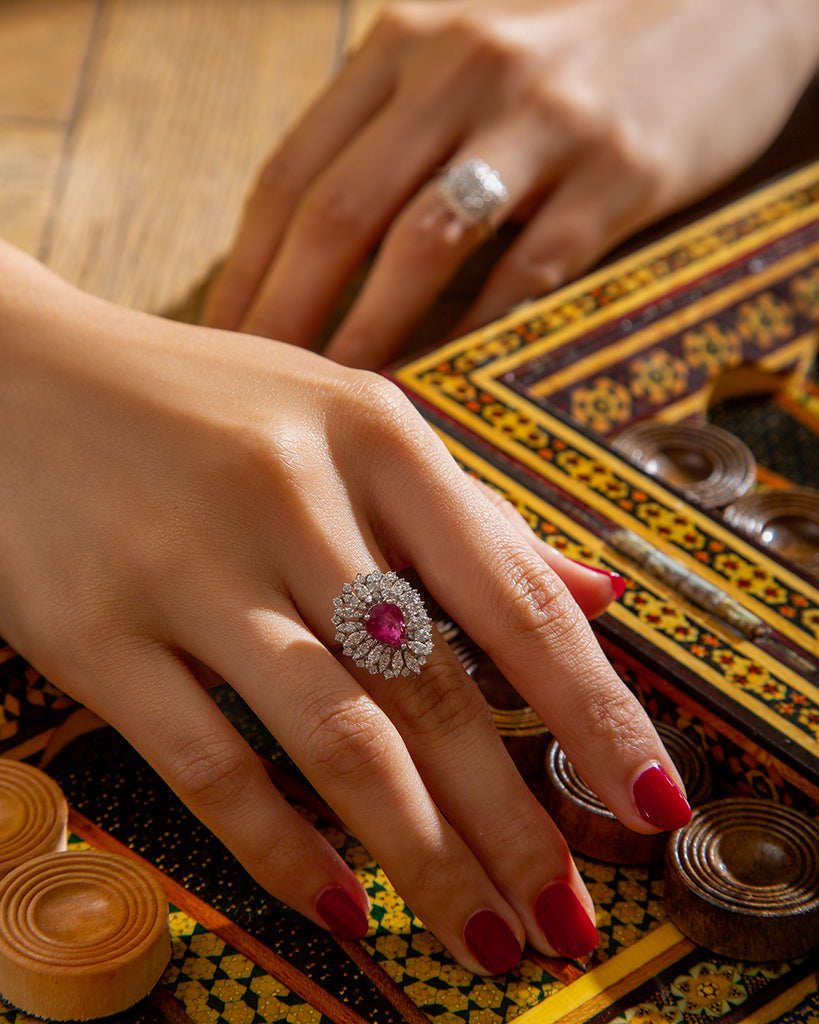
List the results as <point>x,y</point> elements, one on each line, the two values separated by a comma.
<point>131,130</point>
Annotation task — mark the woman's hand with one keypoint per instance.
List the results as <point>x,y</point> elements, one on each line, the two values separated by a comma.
<point>599,115</point>
<point>179,502</point>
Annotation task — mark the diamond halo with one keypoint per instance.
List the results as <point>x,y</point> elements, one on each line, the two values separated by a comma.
<point>382,624</point>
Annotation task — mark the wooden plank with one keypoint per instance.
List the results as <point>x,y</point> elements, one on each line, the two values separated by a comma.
<point>182,103</point>
<point>30,155</point>
<point>43,44</point>
<point>43,47</point>
<point>362,15</point>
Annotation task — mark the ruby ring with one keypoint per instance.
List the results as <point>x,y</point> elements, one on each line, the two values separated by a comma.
<point>382,624</point>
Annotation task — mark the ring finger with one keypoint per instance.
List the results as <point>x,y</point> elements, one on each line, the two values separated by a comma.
<point>428,243</point>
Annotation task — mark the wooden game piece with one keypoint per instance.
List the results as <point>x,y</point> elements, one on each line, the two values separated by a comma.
<point>590,828</point>
<point>710,466</point>
<point>82,935</point>
<point>33,814</point>
<point>523,732</point>
<point>742,880</point>
<point>785,520</point>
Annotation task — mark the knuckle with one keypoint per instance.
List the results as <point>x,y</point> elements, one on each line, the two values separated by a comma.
<point>606,709</point>
<point>350,741</point>
<point>443,704</point>
<point>281,177</point>
<point>542,273</point>
<point>425,236</point>
<point>402,22</point>
<point>638,163</point>
<point>333,209</point>
<point>377,412</point>
<point>212,771</point>
<point>562,107</point>
<point>436,871</point>
<point>539,605</point>
<point>485,43</point>
<point>268,864</point>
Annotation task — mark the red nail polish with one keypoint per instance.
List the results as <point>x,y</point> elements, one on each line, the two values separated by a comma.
<point>564,921</point>
<point>617,581</point>
<point>492,942</point>
<point>659,799</point>
<point>341,913</point>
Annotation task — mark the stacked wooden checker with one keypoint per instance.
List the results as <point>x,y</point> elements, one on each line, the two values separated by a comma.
<point>742,879</point>
<point>591,829</point>
<point>710,466</point>
<point>82,934</point>
<point>522,730</point>
<point>785,520</point>
<point>33,815</point>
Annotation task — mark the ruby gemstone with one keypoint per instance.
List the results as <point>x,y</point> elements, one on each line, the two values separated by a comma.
<point>385,623</point>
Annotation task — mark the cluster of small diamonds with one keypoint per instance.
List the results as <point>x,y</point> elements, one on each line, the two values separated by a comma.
<point>350,616</point>
<point>472,190</point>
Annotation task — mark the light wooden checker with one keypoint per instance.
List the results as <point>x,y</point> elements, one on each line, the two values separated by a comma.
<point>33,814</point>
<point>82,935</point>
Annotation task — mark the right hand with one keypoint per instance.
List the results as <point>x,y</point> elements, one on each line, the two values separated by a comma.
<point>181,502</point>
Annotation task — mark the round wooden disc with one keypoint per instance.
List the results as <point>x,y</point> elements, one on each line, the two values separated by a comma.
<point>785,520</point>
<point>82,935</point>
<point>710,466</point>
<point>33,814</point>
<point>590,828</point>
<point>522,730</point>
<point>742,880</point>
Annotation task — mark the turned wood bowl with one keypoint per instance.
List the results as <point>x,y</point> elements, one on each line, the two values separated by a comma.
<point>33,814</point>
<point>742,880</point>
<point>522,730</point>
<point>82,935</point>
<point>591,829</point>
<point>785,520</point>
<point>707,464</point>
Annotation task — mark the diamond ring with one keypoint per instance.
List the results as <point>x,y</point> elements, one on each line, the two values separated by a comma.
<point>472,191</point>
<point>382,624</point>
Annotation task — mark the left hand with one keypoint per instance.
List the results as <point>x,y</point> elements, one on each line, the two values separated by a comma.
<point>599,115</point>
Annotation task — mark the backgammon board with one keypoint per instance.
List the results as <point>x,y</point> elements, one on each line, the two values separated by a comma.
<point>726,649</point>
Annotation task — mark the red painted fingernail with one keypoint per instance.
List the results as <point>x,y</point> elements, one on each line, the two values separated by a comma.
<point>492,942</point>
<point>617,581</point>
<point>660,800</point>
<point>564,921</point>
<point>341,913</point>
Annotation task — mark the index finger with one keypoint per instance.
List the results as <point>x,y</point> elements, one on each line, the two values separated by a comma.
<point>513,605</point>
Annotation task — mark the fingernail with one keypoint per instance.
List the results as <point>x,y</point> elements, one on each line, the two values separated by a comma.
<point>492,942</point>
<point>341,913</point>
<point>659,800</point>
<point>564,921</point>
<point>617,581</point>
